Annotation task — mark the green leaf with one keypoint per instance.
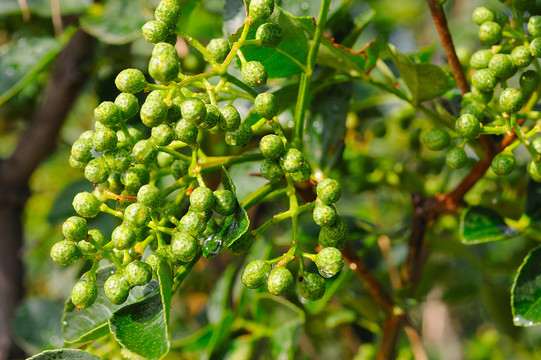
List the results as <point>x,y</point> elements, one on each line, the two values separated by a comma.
<point>233,227</point>
<point>143,328</point>
<point>234,13</point>
<point>526,291</point>
<point>533,201</point>
<point>220,332</point>
<point>68,354</point>
<point>479,224</point>
<point>89,324</point>
<point>118,22</point>
<point>283,60</point>
<point>425,81</point>
<point>43,7</point>
<point>36,325</point>
<point>219,297</point>
<point>22,60</point>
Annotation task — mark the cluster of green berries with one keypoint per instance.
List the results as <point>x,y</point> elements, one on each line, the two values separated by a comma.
<point>334,228</point>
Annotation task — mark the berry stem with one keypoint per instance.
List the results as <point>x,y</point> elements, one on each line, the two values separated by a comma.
<point>293,208</point>
<point>237,45</point>
<point>203,50</point>
<point>184,270</point>
<point>157,229</point>
<point>106,209</point>
<point>257,195</point>
<point>522,137</point>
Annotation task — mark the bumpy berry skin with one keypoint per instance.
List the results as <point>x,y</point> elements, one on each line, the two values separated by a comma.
<point>135,134</point>
<point>164,159</point>
<point>467,126</point>
<point>84,293</point>
<point>480,96</point>
<point>502,66</point>
<point>214,116</point>
<point>481,15</point>
<point>255,274</point>
<point>137,215</point>
<point>117,289</point>
<point>97,171</point>
<point>521,56</point>
<point>529,80</point>
<point>155,31</point>
<point>130,81</point>
<point>484,80</point>
<point>144,152</point>
<point>153,112</point>
<point>225,202</point>
<point>254,74</point>
<point>218,48</point>
<point>193,110</point>
<point>534,26</point>
<point>138,273</point>
<point>535,47</point>
<point>269,34</point>
<point>503,163</point>
<point>186,132</point>
<point>119,160</point>
<point>81,150</point>
<point>149,195</point>
<point>135,177</point>
<point>511,100</point>
<point>456,158</point>
<point>481,58</point>
<point>201,199</point>
<point>490,33</point>
<point>266,105</point>
<point>168,12</point>
<point>179,168</point>
<point>329,262</point>
<point>128,105</point>
<point>164,64</point>
<point>311,286</point>
<point>334,235</point>
<point>107,113</point>
<point>534,170</point>
<point>193,222</point>
<point>230,120</point>
<point>261,9</point>
<point>104,140</point>
<point>184,246</point>
<point>123,237</point>
<point>280,281</point>
<point>303,174</point>
<point>437,139</point>
<point>271,147</point>
<point>65,252</point>
<point>292,160</point>
<point>86,205</point>
<point>324,215</point>
<point>271,170</point>
<point>239,137</point>
<point>242,245</point>
<point>76,164</point>
<point>162,135</point>
<point>329,191</point>
<point>97,237</point>
<point>75,228</point>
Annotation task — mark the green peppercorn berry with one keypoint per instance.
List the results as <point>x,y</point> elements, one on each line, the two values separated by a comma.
<point>153,112</point>
<point>503,163</point>
<point>168,12</point>
<point>239,137</point>
<point>165,159</point>
<point>157,95</point>
<point>86,247</point>
<point>138,273</point>
<point>86,135</point>
<point>534,170</point>
<point>137,215</point>
<point>184,246</point>
<point>500,17</point>
<point>76,164</point>
<point>225,202</point>
<point>329,191</point>
<point>534,26</point>
<point>271,147</point>
<point>266,105</point>
<point>481,15</point>
<point>128,105</point>
<point>97,237</point>
<point>292,160</point>
<point>535,47</point>
<point>119,160</point>
<point>162,135</point>
<point>230,120</point>
<point>324,215</point>
<point>481,58</point>
<point>144,152</point>
<point>86,204</point>
<point>65,252</point>
<point>311,286</point>
<point>334,235</point>
<point>210,229</point>
<point>218,48</point>
<point>521,56</point>
<point>104,140</point>
<point>511,100</point>
<point>84,293</point>
<point>329,262</point>
<point>179,168</point>
<point>81,150</point>
<point>214,116</point>
<point>254,73</point>
<point>502,66</point>
<point>155,31</point>
<point>482,97</point>
<point>437,139</point>
<point>154,261</point>
<point>116,289</point>
<point>75,228</point>
<point>186,132</point>
<point>193,110</point>
<point>123,236</point>
<point>97,171</point>
<point>242,244</point>
<point>164,64</point>
<point>490,33</point>
<point>303,174</point>
<point>260,9</point>
<point>475,109</point>
<point>193,222</point>
<point>529,80</point>
<point>108,114</point>
<point>255,274</point>
<point>269,34</point>
<point>149,195</point>
<point>467,126</point>
<point>271,170</point>
<point>280,280</point>
<point>201,199</point>
<point>134,135</point>
<point>174,114</point>
<point>135,177</point>
<point>98,126</point>
<point>456,158</point>
<point>130,81</point>
<point>484,80</point>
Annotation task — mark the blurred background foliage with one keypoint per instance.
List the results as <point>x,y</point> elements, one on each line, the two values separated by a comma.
<point>462,302</point>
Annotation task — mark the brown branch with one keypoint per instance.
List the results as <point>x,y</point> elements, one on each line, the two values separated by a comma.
<point>391,329</point>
